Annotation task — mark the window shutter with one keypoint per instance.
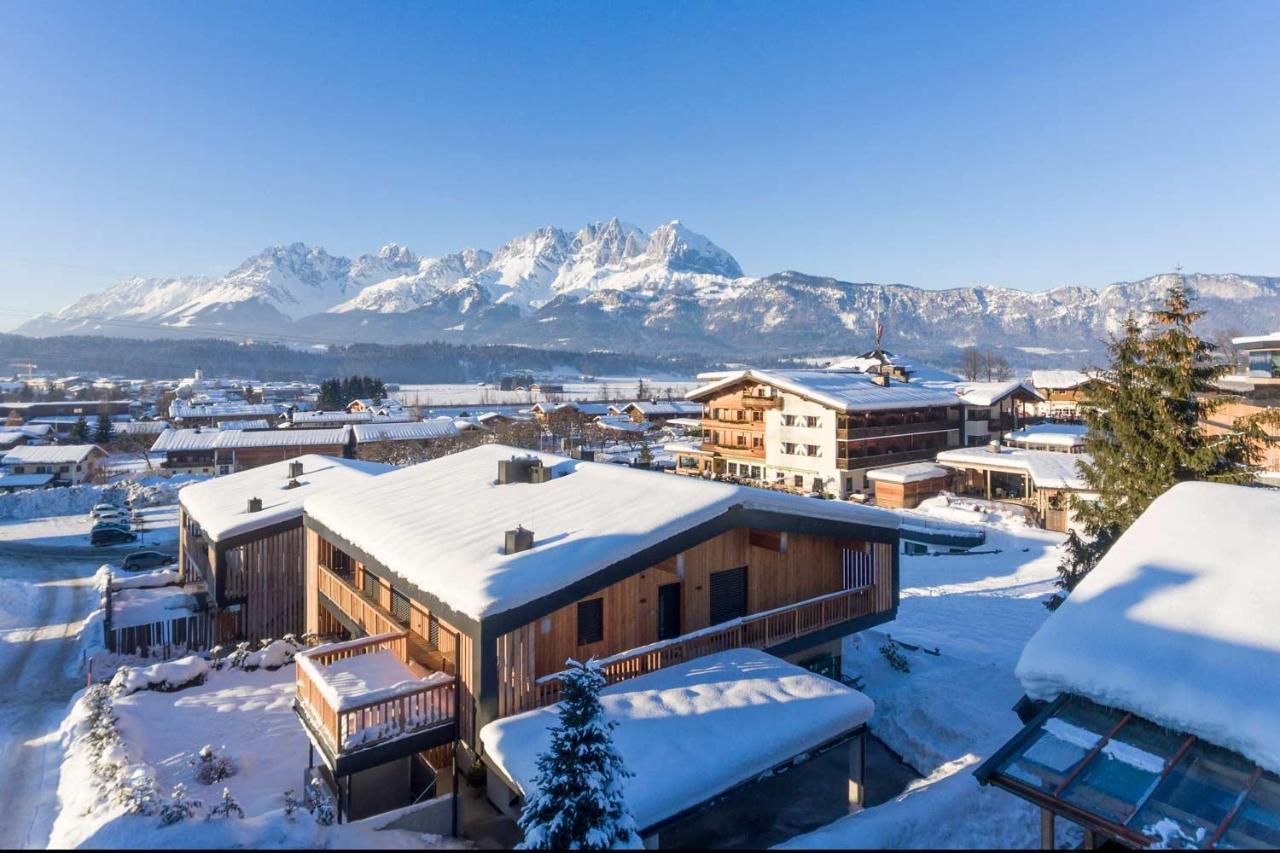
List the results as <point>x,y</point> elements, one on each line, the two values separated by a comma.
<point>728,594</point>
<point>590,621</point>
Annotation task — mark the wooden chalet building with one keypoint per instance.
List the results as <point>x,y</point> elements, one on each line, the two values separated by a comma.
<point>475,576</point>
<point>241,540</point>
<point>1152,709</point>
<point>1062,391</point>
<point>821,430</point>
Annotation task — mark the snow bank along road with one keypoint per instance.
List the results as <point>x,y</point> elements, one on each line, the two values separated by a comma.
<point>39,662</point>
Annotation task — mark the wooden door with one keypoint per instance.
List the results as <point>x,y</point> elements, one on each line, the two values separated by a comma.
<point>668,611</point>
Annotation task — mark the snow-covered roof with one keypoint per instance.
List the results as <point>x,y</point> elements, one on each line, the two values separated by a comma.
<point>256,424</point>
<point>49,454</point>
<point>185,439</point>
<point>1272,339</point>
<point>622,423</point>
<point>441,427</point>
<point>221,505</point>
<point>876,360</point>
<point>9,438</point>
<point>140,427</point>
<point>663,408</point>
<point>24,481</point>
<point>1177,623</point>
<point>585,409</point>
<point>180,409</point>
<point>1056,435</point>
<point>844,391</point>
<point>990,393</point>
<point>584,520</point>
<point>233,439</point>
<point>695,730</point>
<point>911,472</point>
<point>1058,380</point>
<point>339,418</point>
<point>1049,469</point>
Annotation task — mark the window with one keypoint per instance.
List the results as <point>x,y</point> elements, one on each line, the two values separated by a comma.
<point>755,472</point>
<point>789,447</point>
<point>728,595</point>
<point>811,449</point>
<point>590,621</point>
<point>798,481</point>
<point>757,441</point>
<point>742,440</point>
<point>788,420</point>
<point>811,420</point>
<point>757,416</point>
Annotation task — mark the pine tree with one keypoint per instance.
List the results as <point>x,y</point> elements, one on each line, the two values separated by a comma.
<point>80,431</point>
<point>1145,414</point>
<point>579,801</point>
<point>103,430</point>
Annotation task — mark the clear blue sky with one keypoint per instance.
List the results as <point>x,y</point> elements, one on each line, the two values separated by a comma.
<point>1018,144</point>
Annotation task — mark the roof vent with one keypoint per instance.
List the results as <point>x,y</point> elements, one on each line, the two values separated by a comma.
<point>518,540</point>
<point>295,469</point>
<point>519,470</point>
<point>255,504</point>
<point>292,484</point>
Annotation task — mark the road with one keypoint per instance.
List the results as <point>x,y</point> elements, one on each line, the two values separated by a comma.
<point>37,667</point>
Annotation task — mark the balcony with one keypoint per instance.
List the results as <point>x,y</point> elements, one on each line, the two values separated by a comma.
<point>852,433</point>
<point>429,644</point>
<point>758,631</point>
<point>851,463</point>
<point>369,695</point>
<point>733,450</point>
<point>757,401</point>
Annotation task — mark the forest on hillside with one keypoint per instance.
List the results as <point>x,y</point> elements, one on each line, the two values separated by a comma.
<point>402,363</point>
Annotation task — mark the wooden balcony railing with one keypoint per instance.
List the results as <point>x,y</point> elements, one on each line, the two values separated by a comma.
<point>853,433</point>
<point>758,631</point>
<point>851,463</point>
<point>754,401</point>
<point>371,618</point>
<point>733,449</point>
<point>345,724</point>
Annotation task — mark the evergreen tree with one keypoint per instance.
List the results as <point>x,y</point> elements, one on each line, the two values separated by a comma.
<point>103,430</point>
<point>579,802</point>
<point>80,431</point>
<point>1145,416</point>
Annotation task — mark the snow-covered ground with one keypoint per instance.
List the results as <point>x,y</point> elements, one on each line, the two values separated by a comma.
<point>59,531</point>
<point>248,717</point>
<point>953,709</point>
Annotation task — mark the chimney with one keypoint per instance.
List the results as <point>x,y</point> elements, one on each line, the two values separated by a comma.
<point>521,470</point>
<point>255,504</point>
<point>880,379</point>
<point>518,540</point>
<point>993,447</point>
<point>295,469</point>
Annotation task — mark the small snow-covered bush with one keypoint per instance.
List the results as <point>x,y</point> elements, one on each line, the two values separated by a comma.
<point>118,783</point>
<point>320,804</point>
<point>292,803</point>
<point>896,659</point>
<point>212,765</point>
<point>178,807</point>
<point>226,808</point>
<point>167,676</point>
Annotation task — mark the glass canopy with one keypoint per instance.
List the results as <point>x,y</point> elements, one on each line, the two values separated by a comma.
<point>1137,781</point>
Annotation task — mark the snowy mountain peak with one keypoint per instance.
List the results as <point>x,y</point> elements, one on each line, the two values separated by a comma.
<point>687,251</point>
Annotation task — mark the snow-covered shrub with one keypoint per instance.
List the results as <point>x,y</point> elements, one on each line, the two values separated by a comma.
<point>168,676</point>
<point>228,807</point>
<point>320,804</point>
<point>896,659</point>
<point>578,802</point>
<point>212,765</point>
<point>292,803</point>
<point>118,782</point>
<point>273,654</point>
<point>178,807</point>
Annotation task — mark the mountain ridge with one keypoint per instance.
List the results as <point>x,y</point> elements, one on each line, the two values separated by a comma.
<point>612,285</point>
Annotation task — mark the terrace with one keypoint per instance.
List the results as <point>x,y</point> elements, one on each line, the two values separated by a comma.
<point>365,701</point>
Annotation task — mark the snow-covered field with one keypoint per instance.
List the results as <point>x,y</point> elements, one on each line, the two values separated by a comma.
<point>953,709</point>
<point>248,717</point>
<point>605,387</point>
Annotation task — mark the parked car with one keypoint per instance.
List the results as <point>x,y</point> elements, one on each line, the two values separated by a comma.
<point>99,510</point>
<point>139,560</point>
<point>111,535</point>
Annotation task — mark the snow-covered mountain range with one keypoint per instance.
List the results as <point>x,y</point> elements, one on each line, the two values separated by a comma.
<point>614,286</point>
